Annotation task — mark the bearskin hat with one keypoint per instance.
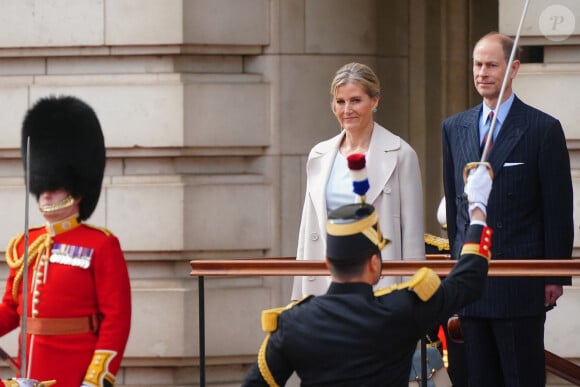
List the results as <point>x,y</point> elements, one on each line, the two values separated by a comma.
<point>67,149</point>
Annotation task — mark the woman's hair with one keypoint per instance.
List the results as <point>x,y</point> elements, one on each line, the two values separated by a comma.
<point>356,73</point>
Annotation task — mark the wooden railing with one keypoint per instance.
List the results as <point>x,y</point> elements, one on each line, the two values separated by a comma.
<point>563,368</point>
<point>441,264</point>
<point>290,267</point>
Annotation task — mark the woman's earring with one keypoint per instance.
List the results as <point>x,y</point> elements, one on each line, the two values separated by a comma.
<point>374,110</point>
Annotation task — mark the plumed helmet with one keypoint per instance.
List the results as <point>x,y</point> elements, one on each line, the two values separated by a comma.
<point>353,230</point>
<point>67,149</point>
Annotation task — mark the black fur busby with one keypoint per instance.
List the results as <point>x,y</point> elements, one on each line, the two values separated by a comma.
<point>67,149</point>
<point>352,232</point>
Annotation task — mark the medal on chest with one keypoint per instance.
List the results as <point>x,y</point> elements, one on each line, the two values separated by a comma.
<point>71,255</point>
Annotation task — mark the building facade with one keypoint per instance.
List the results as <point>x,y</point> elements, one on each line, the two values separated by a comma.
<point>209,109</point>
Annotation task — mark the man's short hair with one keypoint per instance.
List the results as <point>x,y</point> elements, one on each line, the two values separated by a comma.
<point>355,268</point>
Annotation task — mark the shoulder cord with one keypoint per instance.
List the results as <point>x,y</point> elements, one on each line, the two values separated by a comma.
<point>40,246</point>
<point>263,365</point>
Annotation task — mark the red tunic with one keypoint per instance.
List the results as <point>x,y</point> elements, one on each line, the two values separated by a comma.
<point>85,274</point>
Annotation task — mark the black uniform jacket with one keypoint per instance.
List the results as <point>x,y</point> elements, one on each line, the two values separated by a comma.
<point>352,337</point>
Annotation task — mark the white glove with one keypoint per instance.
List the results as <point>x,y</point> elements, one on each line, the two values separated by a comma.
<point>477,188</point>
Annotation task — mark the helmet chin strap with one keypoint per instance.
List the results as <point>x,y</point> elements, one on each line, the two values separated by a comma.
<point>64,203</point>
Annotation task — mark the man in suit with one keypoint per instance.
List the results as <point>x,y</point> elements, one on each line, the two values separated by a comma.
<point>530,209</point>
<point>352,337</point>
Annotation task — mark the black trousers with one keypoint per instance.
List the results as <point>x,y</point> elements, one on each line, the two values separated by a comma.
<point>505,352</point>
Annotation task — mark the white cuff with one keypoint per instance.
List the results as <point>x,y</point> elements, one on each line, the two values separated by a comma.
<point>479,222</point>
<point>473,205</point>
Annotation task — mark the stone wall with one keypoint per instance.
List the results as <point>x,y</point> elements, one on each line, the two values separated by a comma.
<point>209,108</point>
<point>189,175</point>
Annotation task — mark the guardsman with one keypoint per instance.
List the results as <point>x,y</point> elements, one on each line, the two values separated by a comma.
<point>79,309</point>
<point>351,336</point>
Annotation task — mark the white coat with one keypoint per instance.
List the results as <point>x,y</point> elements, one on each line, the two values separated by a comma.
<point>395,192</point>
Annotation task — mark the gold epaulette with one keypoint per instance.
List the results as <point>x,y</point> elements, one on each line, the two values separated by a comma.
<point>270,316</point>
<point>424,283</point>
<point>269,325</point>
<point>101,229</point>
<point>441,243</point>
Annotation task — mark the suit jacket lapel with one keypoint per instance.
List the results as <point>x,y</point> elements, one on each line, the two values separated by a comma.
<point>468,136</point>
<point>511,132</point>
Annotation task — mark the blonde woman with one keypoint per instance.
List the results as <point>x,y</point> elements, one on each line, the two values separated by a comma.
<point>393,172</point>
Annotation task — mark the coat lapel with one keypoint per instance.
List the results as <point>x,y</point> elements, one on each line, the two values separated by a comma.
<point>381,163</point>
<point>381,160</point>
<point>319,167</point>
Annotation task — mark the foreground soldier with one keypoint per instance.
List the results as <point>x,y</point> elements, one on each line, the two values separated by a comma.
<point>79,307</point>
<point>352,337</point>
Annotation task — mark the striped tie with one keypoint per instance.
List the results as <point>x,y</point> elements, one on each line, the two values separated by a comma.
<point>488,124</point>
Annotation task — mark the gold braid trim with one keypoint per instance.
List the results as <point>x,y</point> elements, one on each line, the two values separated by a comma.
<point>15,383</point>
<point>439,242</point>
<point>269,325</point>
<point>263,365</point>
<point>98,371</point>
<point>474,248</point>
<point>40,246</point>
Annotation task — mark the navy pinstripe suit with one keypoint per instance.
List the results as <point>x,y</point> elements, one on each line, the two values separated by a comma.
<point>530,206</point>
